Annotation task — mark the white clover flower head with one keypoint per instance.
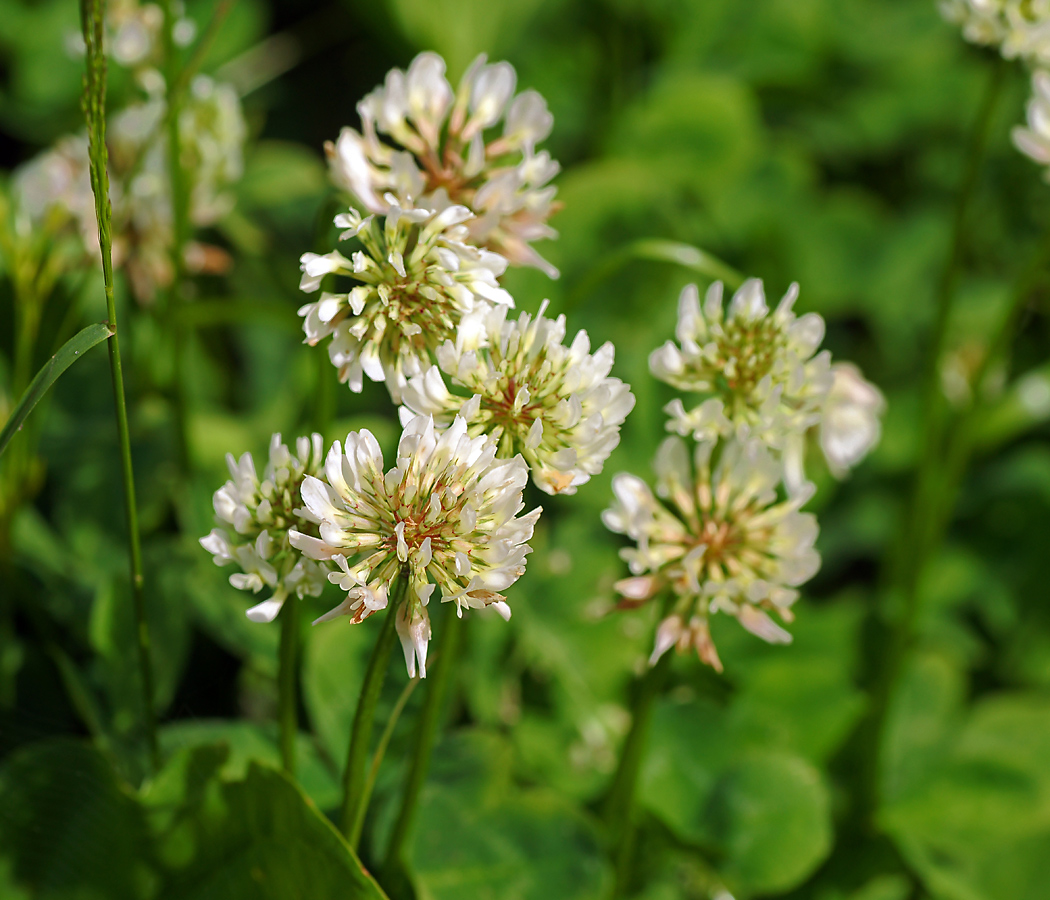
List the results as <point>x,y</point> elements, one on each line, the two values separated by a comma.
<point>554,404</point>
<point>212,134</point>
<point>256,517</point>
<point>720,538</point>
<point>1034,141</point>
<point>1026,31</point>
<point>417,278</point>
<point>982,21</point>
<point>446,516</point>
<point>443,150</point>
<point>754,368</point>
<point>850,424</point>
<point>1020,29</point>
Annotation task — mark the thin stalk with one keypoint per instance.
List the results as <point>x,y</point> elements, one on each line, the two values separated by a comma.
<point>384,742</point>
<point>618,809</point>
<point>180,225</point>
<point>441,676</point>
<point>912,553</point>
<point>94,104</point>
<point>352,817</point>
<point>932,399</point>
<point>960,439</point>
<point>287,705</point>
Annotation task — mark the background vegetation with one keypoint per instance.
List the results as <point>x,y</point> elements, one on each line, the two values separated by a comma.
<point>822,141</point>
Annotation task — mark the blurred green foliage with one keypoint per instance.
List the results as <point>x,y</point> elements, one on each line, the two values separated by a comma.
<point>812,140</point>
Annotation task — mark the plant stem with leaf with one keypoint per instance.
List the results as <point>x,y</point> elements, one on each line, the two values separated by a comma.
<point>352,816</point>
<point>441,676</point>
<point>94,105</point>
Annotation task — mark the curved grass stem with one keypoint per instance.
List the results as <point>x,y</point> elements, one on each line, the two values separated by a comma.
<point>94,104</point>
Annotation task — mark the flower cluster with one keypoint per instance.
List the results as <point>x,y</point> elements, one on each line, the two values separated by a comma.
<point>212,133</point>
<point>447,516</point>
<point>1019,28</point>
<point>443,150</point>
<point>758,375</point>
<point>257,518</point>
<point>722,542</point>
<point>556,405</point>
<point>727,534</point>
<point>418,278</point>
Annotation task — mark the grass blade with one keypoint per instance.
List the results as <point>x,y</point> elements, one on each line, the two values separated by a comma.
<point>68,354</point>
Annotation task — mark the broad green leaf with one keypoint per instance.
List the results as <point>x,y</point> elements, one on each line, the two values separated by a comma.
<point>772,814</point>
<point>260,837</point>
<point>69,828</point>
<point>69,353</point>
<point>249,742</point>
<point>478,836</point>
<point>977,827</point>
<point>764,813</point>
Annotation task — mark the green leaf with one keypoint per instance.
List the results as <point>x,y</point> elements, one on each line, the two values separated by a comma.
<point>977,826</point>
<point>68,354</point>
<point>260,837</point>
<point>480,837</point>
<point>249,742</point>
<point>70,828</point>
<point>772,814</point>
<point>764,813</point>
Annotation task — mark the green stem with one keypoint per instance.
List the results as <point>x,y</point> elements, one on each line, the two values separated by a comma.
<point>288,710</point>
<point>352,818</point>
<point>92,13</point>
<point>915,546</point>
<point>176,85</point>
<point>384,742</point>
<point>618,809</point>
<point>441,676</point>
<point>933,408</point>
<point>961,436</point>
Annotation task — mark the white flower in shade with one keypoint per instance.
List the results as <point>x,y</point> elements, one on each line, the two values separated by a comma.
<point>850,423</point>
<point>722,541</point>
<point>417,279</point>
<point>444,148</point>
<point>1020,29</point>
<point>212,133</point>
<point>754,369</point>
<point>446,516</point>
<point>1034,141</point>
<point>256,517</point>
<point>1027,31</point>
<point>982,21</point>
<point>554,404</point>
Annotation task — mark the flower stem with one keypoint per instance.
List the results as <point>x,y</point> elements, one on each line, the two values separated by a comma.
<point>94,103</point>
<point>384,742</point>
<point>618,809</point>
<point>445,663</point>
<point>180,226</point>
<point>915,546</point>
<point>288,712</point>
<point>352,817</point>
